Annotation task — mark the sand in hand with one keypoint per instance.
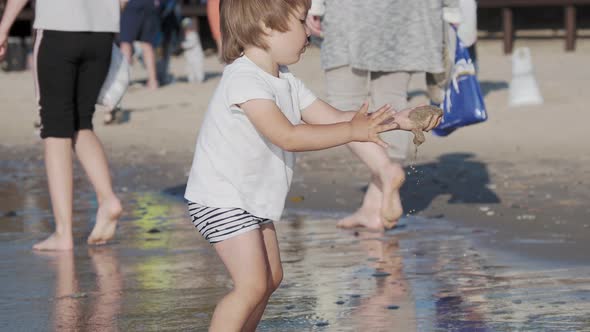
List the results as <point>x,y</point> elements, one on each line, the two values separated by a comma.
<point>421,116</point>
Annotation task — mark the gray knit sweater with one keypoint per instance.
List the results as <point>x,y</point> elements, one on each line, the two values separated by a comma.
<point>384,35</point>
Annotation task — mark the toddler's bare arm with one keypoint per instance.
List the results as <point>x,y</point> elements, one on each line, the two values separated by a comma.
<point>272,123</point>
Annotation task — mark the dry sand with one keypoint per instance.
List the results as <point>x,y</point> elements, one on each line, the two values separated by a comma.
<point>515,186</point>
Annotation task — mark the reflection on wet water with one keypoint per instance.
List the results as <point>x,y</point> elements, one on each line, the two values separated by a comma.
<point>460,290</point>
<point>336,281</point>
<point>74,309</point>
<point>160,275</point>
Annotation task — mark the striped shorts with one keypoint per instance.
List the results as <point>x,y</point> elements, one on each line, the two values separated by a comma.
<point>218,224</point>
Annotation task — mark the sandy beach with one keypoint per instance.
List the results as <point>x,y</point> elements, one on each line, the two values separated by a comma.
<point>496,236</point>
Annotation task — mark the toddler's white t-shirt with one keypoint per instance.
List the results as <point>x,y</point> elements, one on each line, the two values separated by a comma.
<point>235,166</point>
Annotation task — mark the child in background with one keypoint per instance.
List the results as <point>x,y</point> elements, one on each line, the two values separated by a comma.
<point>259,115</point>
<point>170,37</point>
<point>193,52</point>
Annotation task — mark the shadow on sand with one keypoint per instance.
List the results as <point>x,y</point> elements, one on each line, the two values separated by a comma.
<point>456,174</point>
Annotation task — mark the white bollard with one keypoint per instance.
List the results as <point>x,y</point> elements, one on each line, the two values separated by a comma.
<point>523,87</point>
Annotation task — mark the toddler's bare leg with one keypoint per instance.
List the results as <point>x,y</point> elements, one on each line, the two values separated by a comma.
<point>244,256</point>
<point>276,274</point>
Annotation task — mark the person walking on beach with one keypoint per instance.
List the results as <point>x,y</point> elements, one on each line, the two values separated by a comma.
<point>370,49</point>
<point>213,19</point>
<point>170,27</point>
<point>72,54</point>
<point>259,115</point>
<point>140,21</point>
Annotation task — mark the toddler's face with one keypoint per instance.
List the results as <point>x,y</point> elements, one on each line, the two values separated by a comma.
<point>286,47</point>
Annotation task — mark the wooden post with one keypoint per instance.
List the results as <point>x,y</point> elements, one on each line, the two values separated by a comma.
<point>508,29</point>
<point>570,28</point>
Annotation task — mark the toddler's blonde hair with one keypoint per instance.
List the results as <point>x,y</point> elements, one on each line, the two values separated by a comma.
<point>241,22</point>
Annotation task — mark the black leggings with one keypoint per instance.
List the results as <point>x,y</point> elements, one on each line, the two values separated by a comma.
<point>70,68</point>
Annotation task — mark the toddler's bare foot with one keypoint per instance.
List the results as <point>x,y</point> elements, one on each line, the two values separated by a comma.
<point>392,178</point>
<point>106,221</point>
<point>363,217</point>
<point>56,242</point>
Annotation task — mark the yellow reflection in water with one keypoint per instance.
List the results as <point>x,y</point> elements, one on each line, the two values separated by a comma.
<point>151,213</point>
<point>156,271</point>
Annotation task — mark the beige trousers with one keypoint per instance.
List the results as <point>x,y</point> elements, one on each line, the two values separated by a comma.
<point>348,87</point>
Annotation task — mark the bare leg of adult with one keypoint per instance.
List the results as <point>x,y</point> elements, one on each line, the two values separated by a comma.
<point>381,206</point>
<point>93,159</point>
<point>392,88</point>
<point>368,214</point>
<point>58,165</point>
<point>127,50</point>
<point>347,89</point>
<point>149,57</point>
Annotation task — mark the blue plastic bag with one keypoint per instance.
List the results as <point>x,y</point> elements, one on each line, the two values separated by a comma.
<point>463,102</point>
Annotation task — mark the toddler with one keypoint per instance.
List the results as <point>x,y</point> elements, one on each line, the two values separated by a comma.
<point>259,115</point>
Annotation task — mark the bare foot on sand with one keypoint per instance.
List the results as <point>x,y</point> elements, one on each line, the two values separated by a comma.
<point>392,178</point>
<point>368,216</point>
<point>152,85</point>
<point>56,242</point>
<point>106,221</point>
<point>381,208</point>
<point>363,217</point>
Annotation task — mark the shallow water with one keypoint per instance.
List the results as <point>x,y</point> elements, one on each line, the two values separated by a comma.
<point>427,275</point>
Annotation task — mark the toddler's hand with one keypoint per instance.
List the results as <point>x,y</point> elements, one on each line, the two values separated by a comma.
<point>366,127</point>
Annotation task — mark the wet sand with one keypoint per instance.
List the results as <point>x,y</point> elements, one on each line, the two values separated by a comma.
<point>496,238</point>
<point>427,275</point>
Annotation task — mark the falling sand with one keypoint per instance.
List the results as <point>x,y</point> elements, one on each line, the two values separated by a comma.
<point>421,117</point>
